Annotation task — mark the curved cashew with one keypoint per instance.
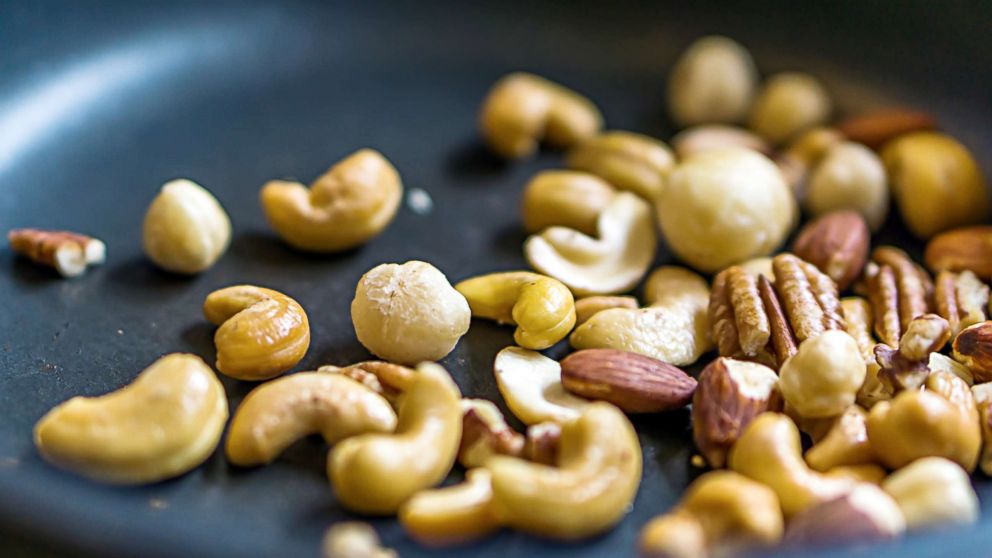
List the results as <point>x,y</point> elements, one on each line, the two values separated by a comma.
<point>453,514</point>
<point>769,452</point>
<point>280,412</point>
<point>632,162</point>
<point>612,263</point>
<point>376,473</point>
<point>522,109</point>
<point>846,443</point>
<point>542,308</point>
<point>345,207</point>
<point>531,386</point>
<point>262,333</point>
<point>598,472</point>
<point>165,423</point>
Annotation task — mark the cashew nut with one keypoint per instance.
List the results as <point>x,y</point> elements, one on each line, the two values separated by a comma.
<point>453,514</point>
<point>846,443</point>
<point>165,423</point>
<point>185,229</point>
<point>598,472</point>
<point>542,308</point>
<point>769,452</point>
<point>262,333</point>
<point>612,263</point>
<point>565,198</point>
<point>278,413</point>
<point>531,386</point>
<point>522,109</point>
<point>376,473</point>
<point>632,162</point>
<point>345,207</point>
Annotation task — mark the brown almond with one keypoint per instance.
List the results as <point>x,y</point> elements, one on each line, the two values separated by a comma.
<point>730,394</point>
<point>973,348</point>
<point>837,244</point>
<point>633,382</point>
<point>876,128</point>
<point>967,248</point>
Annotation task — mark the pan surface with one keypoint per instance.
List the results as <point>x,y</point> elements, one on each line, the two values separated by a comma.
<point>101,103</point>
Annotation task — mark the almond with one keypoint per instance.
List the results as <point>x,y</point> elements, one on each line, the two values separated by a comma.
<point>973,348</point>
<point>730,394</point>
<point>967,248</point>
<point>633,382</point>
<point>874,129</point>
<point>837,244</point>
<point>863,515</point>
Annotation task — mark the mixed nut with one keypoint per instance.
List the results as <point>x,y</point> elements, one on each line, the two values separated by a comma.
<point>894,426</point>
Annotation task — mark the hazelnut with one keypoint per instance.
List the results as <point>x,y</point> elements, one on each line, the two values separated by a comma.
<point>823,378</point>
<point>788,104</point>
<point>712,82</point>
<point>850,176</point>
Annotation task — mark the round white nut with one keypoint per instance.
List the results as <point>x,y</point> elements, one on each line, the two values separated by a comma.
<point>185,230</point>
<point>531,386</point>
<point>789,103</point>
<point>708,137</point>
<point>724,206</point>
<point>823,377</point>
<point>612,263</point>
<point>850,176</point>
<point>712,82</point>
<point>408,313</point>
<point>933,491</point>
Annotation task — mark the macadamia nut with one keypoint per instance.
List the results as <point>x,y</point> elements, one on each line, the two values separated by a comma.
<point>823,377</point>
<point>712,82</point>
<point>788,104</point>
<point>850,176</point>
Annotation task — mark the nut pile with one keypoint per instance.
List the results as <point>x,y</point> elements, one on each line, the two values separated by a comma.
<point>847,389</point>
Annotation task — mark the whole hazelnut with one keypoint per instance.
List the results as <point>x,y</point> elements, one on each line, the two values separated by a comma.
<point>850,176</point>
<point>712,82</point>
<point>788,104</point>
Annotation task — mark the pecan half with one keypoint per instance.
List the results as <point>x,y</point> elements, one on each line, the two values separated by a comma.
<point>961,299</point>
<point>899,290</point>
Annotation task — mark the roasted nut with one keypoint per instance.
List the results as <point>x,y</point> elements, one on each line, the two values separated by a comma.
<point>633,382</point>
<point>522,110</point>
<point>932,492</point>
<point>961,299</point>
<point>542,442</point>
<point>908,366</point>
<point>375,473</point>
<point>589,306</point>
<point>595,481</point>
<point>729,395</point>
<point>898,289</point>
<point>278,413</point>
<point>725,206</point>
<point>68,252</point>
<point>944,363</point>
<point>387,379</point>
<point>868,472</point>
<point>713,81</point>
<point>721,514</point>
<point>262,332</point>
<point>408,313</point>
<point>788,104</point>
<point>542,308</point>
<point>797,161</point>
<point>165,423</point>
<point>353,539</point>
<point>673,286</point>
<point>837,244</point>
<point>864,514</point>
<point>858,321</point>
<point>936,183</point>
<point>849,176</point>
<point>531,386</point>
<point>873,389</point>
<point>876,128</point>
<point>185,229</point>
<point>823,378</point>
<point>983,401</point>
<point>846,443</point>
<point>345,207</point>
<point>973,348</point>
<point>756,267</point>
<point>964,249</point>
<point>769,452</point>
<point>709,137</point>
<point>632,162</point>
<point>485,433</point>
<point>612,262</point>
<point>452,515</point>
<point>561,198</point>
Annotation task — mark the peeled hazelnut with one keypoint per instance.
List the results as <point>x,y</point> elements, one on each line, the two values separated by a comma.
<point>864,514</point>
<point>713,81</point>
<point>788,104</point>
<point>837,244</point>
<point>973,348</point>
<point>849,176</point>
<point>823,378</point>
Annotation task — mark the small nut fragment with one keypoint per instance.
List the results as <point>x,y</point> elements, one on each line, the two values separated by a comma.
<point>353,539</point>
<point>485,433</point>
<point>730,394</point>
<point>846,443</point>
<point>961,299</point>
<point>849,176</point>
<point>708,137</point>
<point>932,492</point>
<point>908,366</point>
<point>788,104</point>
<point>563,198</point>
<point>262,332</point>
<point>345,207</point>
<point>542,442</point>
<point>944,363</point>
<point>837,244</point>
<point>713,81</point>
<point>453,514</point>
<point>823,378</point>
<point>542,308</point>
<point>983,401</point>
<point>185,229</point>
<point>408,313</point>
<point>864,514</point>
<point>936,182</point>
<point>523,109</point>
<point>68,252</point>
<point>589,306</point>
<point>531,386</point>
<point>674,286</point>
<point>973,348</point>
<point>385,378</point>
<point>633,382</point>
<point>632,162</point>
<point>963,249</point>
<point>876,128</point>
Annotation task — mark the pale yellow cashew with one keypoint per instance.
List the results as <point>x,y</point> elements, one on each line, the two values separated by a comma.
<point>595,481</point>
<point>344,208</point>
<point>278,413</point>
<point>530,383</point>
<point>453,514</point>
<point>542,308</point>
<point>375,473</point>
<point>262,333</point>
<point>165,423</point>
